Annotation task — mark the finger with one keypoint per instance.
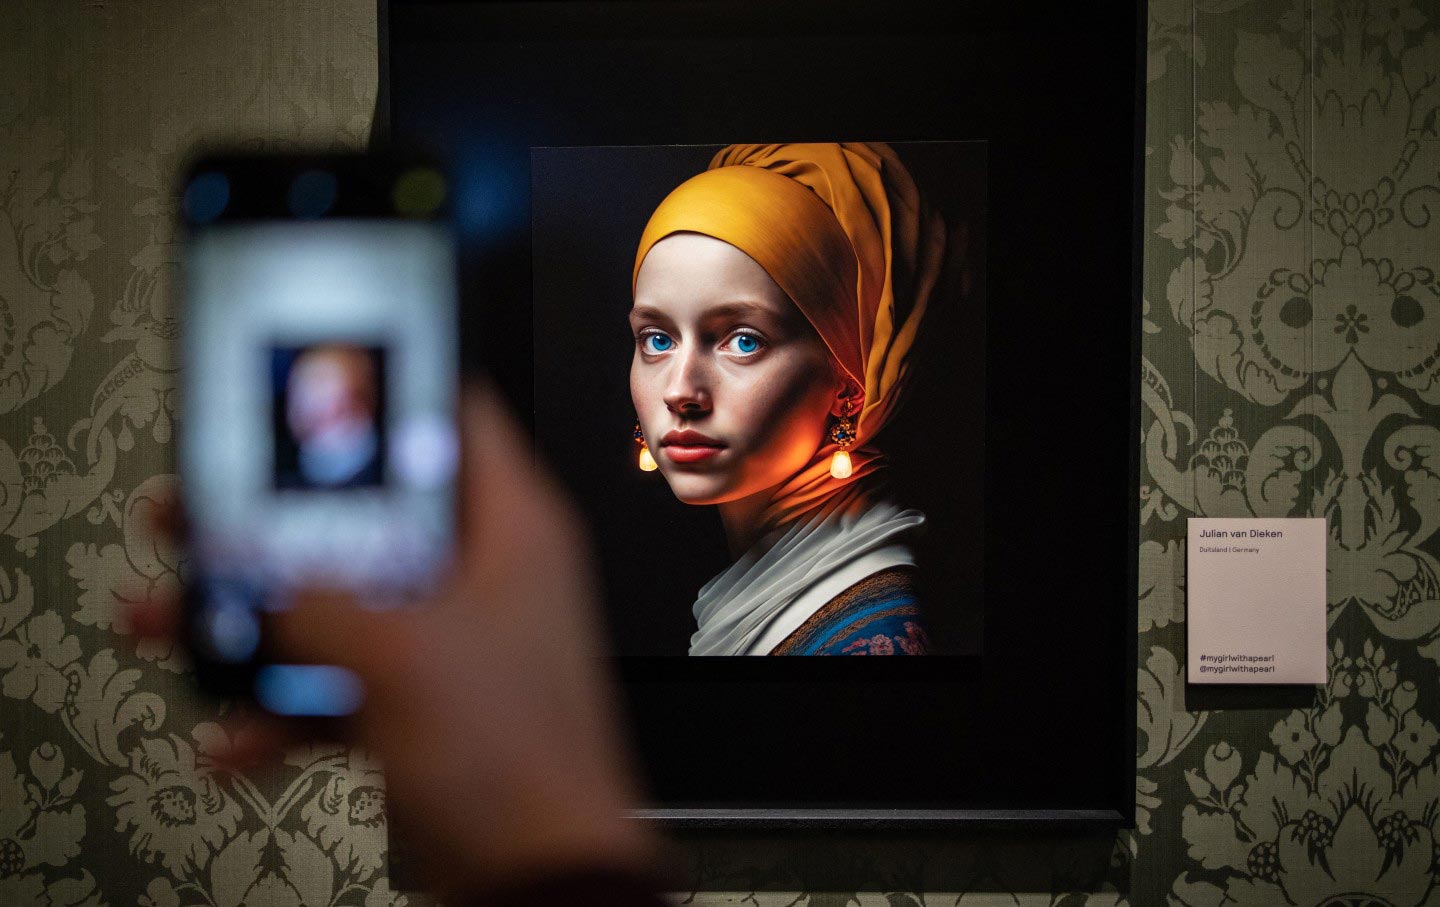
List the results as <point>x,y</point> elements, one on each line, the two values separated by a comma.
<point>164,517</point>
<point>152,618</point>
<point>327,626</point>
<point>507,500</point>
<point>495,460</point>
<point>259,739</point>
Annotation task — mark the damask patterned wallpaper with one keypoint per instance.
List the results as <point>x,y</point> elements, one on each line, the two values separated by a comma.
<point>1292,166</point>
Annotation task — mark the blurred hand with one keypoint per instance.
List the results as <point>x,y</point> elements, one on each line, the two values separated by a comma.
<point>488,706</point>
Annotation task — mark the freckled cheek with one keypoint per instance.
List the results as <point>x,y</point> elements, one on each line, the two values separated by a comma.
<point>644,390</point>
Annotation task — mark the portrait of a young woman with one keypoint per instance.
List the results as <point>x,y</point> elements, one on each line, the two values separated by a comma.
<point>788,305</point>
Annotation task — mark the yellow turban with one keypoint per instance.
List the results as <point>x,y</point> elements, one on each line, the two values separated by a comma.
<point>842,230</point>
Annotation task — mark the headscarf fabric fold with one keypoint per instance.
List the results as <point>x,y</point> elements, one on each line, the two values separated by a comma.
<point>841,228</point>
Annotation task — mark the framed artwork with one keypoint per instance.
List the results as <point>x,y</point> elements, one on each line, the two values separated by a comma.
<point>661,539</point>
<point>827,316</point>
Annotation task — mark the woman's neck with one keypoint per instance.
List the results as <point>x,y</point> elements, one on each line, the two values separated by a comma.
<point>744,522</point>
<point>752,520</point>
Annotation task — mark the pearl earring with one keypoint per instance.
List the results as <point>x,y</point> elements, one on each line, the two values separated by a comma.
<point>647,460</point>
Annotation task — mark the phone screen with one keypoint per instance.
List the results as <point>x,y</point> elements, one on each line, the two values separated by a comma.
<point>319,443</point>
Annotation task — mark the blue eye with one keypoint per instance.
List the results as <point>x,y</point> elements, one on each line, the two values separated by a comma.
<point>746,344</point>
<point>656,343</point>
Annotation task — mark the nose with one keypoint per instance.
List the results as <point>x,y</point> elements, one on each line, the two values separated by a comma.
<point>687,386</point>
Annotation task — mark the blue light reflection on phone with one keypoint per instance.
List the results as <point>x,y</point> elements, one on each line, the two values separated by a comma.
<point>319,690</point>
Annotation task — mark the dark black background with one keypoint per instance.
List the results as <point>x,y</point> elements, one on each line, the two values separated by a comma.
<point>1044,719</point>
<point>589,207</point>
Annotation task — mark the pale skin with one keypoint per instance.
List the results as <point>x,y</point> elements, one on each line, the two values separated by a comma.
<point>723,354</point>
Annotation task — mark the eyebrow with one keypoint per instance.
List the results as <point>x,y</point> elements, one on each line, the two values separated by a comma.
<point>728,310</point>
<point>646,313</point>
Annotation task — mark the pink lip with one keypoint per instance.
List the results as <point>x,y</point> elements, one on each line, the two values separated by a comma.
<point>682,454</point>
<point>689,446</point>
<point>689,438</point>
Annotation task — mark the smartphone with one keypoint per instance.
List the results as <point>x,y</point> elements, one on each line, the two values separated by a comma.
<point>318,444</point>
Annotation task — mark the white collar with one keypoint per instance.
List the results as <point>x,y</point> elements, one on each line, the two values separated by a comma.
<point>735,609</point>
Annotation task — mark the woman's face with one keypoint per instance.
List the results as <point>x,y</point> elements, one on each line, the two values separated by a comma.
<point>731,383</point>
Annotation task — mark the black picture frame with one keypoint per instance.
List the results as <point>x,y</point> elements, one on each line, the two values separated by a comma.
<point>1039,726</point>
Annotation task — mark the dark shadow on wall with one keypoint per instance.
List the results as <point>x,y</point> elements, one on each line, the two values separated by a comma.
<point>982,861</point>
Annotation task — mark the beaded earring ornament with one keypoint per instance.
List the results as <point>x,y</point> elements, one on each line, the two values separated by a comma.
<point>843,434</point>
<point>647,460</point>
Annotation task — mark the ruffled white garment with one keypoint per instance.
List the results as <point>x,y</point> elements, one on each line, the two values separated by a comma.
<point>747,608</point>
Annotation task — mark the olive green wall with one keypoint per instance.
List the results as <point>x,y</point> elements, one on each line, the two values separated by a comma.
<point>1292,165</point>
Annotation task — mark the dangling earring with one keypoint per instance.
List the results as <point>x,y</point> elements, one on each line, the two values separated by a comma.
<point>843,434</point>
<point>647,461</point>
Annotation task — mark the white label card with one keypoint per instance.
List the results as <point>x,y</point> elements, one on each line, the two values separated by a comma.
<point>1255,596</point>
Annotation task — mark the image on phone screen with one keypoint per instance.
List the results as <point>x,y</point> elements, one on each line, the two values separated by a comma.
<point>328,416</point>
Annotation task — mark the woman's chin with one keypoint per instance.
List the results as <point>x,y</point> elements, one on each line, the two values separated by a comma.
<point>696,499</point>
<point>700,490</point>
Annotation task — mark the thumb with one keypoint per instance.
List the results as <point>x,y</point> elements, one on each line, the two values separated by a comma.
<point>327,626</point>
